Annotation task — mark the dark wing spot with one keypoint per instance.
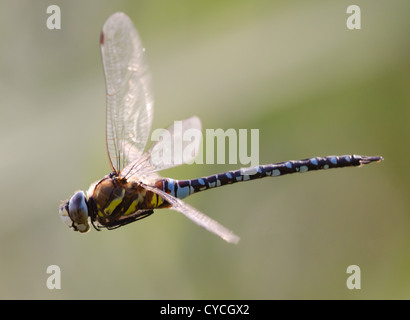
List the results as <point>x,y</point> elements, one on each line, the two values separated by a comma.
<point>102,38</point>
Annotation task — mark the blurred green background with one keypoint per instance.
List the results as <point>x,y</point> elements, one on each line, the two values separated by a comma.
<point>290,69</point>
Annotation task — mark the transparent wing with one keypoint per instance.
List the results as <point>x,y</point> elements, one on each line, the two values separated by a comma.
<point>176,145</point>
<point>128,86</point>
<point>196,216</point>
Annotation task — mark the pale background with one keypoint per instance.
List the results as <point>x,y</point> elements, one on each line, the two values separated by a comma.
<point>292,70</point>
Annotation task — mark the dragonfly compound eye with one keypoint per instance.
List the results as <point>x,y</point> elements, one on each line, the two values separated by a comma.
<point>74,212</point>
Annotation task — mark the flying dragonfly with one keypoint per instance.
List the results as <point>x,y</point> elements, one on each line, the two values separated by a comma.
<point>133,189</point>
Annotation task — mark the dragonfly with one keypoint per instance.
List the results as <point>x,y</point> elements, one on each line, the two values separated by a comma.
<point>133,189</point>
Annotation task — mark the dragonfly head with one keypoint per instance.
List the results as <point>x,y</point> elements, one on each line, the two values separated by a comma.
<point>74,212</point>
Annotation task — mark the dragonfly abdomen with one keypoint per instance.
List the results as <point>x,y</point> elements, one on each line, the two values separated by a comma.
<point>184,188</point>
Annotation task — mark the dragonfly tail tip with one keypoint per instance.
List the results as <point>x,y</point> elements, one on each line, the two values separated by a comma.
<point>366,159</point>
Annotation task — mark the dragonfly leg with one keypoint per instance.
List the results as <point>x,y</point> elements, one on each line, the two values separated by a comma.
<point>122,222</point>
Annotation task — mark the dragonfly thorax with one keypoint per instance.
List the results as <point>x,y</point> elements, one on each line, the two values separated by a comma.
<point>116,198</point>
<point>74,212</point>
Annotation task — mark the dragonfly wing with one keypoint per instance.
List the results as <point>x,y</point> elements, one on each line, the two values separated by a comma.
<point>196,216</point>
<point>178,144</point>
<point>128,86</point>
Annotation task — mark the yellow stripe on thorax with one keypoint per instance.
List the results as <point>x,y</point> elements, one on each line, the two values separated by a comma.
<point>114,203</point>
<point>156,201</point>
<point>133,207</point>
